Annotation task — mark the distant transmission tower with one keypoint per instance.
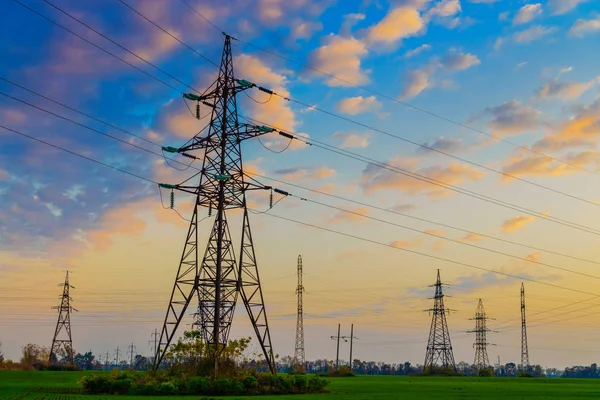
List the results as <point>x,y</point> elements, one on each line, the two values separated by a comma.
<point>439,348</point>
<point>481,360</point>
<point>62,334</point>
<point>299,357</point>
<point>524,349</point>
<point>218,278</point>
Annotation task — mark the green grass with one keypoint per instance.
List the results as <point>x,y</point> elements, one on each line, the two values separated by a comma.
<point>34,385</point>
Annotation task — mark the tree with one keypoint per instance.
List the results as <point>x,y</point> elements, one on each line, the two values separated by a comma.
<point>84,361</point>
<point>32,354</point>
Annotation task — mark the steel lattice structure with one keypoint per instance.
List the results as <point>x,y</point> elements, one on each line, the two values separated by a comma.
<point>62,341</point>
<point>481,360</point>
<point>524,348</point>
<point>439,347</point>
<point>299,357</point>
<point>218,278</point>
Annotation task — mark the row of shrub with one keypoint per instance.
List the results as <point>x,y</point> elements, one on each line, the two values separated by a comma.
<point>130,383</point>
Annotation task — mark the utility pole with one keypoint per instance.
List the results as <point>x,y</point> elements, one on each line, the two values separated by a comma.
<point>439,347</point>
<point>117,357</point>
<point>481,360</point>
<point>106,361</point>
<point>337,355</point>
<point>351,337</point>
<point>131,350</point>
<point>524,348</point>
<point>218,277</point>
<point>299,356</point>
<point>63,325</point>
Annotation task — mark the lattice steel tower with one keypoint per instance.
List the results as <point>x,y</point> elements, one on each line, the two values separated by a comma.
<point>299,358</point>
<point>218,277</point>
<point>62,341</point>
<point>481,360</point>
<point>524,349</point>
<point>439,347</point>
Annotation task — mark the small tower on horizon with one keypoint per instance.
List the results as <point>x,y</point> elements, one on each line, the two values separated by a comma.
<point>439,347</point>
<point>299,356</point>
<point>481,360</point>
<point>62,342</point>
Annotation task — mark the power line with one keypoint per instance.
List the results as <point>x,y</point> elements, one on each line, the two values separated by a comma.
<point>98,47</point>
<point>331,230</point>
<point>394,99</point>
<point>426,179</point>
<point>170,34</point>
<point>435,150</point>
<point>314,201</point>
<point>410,174</point>
<point>121,46</point>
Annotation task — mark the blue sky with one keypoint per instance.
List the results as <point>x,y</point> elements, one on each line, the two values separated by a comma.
<point>525,72</point>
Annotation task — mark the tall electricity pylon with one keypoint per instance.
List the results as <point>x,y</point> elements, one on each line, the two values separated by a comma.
<point>524,349</point>
<point>481,360</point>
<point>299,358</point>
<point>439,347</point>
<point>218,278</point>
<point>62,334</point>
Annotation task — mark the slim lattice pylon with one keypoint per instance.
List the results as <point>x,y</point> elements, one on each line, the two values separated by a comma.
<point>439,347</point>
<point>524,349</point>
<point>62,343</point>
<point>299,359</point>
<point>481,360</point>
<point>218,277</point>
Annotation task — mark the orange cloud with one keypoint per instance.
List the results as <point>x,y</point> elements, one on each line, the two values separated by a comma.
<point>406,244</point>
<point>352,139</point>
<point>537,256</point>
<point>399,23</point>
<point>354,215</point>
<point>341,56</point>
<point>4,175</point>
<point>437,246</point>
<point>296,174</point>
<point>516,223</point>
<point>358,105</point>
<point>375,179</point>
<point>471,237</point>
<point>13,115</point>
<point>540,165</point>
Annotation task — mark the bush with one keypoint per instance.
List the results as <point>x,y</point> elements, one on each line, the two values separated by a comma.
<point>251,383</point>
<point>316,384</point>
<point>95,384</point>
<point>300,382</point>
<point>167,388</point>
<point>223,387</point>
<point>121,386</point>
<point>147,389</point>
<point>198,385</point>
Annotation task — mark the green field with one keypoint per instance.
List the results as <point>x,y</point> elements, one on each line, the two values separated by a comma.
<point>24,385</point>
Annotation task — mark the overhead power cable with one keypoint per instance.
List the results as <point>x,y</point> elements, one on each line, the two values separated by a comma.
<point>433,149</point>
<point>429,180</point>
<point>159,155</point>
<point>394,99</point>
<point>423,178</point>
<point>98,47</point>
<point>431,256</point>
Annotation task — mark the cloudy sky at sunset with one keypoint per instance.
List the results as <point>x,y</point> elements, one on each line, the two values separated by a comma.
<point>464,138</point>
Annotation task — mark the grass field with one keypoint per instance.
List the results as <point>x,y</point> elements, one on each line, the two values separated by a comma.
<point>34,385</point>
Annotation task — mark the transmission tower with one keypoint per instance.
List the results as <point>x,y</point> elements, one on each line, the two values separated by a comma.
<point>524,349</point>
<point>439,347</point>
<point>299,358</point>
<point>62,334</point>
<point>481,360</point>
<point>217,279</point>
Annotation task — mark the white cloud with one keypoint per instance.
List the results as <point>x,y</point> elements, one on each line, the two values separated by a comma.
<point>563,6</point>
<point>416,51</point>
<point>583,27</point>
<point>459,61</point>
<point>414,83</point>
<point>528,13</point>
<point>358,105</point>
<point>565,90</point>
<point>531,34</point>
<point>445,8</point>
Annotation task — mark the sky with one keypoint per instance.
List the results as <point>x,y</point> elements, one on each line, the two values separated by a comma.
<point>497,99</point>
